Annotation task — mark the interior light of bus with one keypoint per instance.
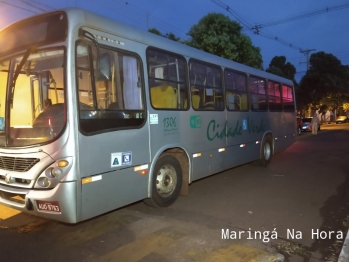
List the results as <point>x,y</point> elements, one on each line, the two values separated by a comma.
<point>221,149</point>
<point>140,168</point>
<point>285,136</point>
<point>242,145</point>
<point>62,163</point>
<point>197,155</point>
<point>276,138</point>
<point>258,142</point>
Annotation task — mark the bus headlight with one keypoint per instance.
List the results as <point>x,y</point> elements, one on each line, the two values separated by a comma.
<point>44,182</point>
<point>53,174</point>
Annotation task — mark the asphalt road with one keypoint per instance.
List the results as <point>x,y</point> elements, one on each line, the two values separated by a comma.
<point>289,208</point>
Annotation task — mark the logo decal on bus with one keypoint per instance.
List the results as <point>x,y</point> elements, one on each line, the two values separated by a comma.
<point>170,126</point>
<point>195,122</point>
<point>121,159</point>
<point>244,124</point>
<point>217,131</point>
<point>154,119</point>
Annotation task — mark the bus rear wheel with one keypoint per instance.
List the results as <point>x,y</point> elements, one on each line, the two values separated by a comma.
<point>166,182</point>
<point>267,151</point>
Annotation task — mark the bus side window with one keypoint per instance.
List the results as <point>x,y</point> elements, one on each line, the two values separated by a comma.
<point>206,87</point>
<point>274,96</point>
<point>195,93</point>
<point>115,99</point>
<point>258,95</point>
<point>235,90</point>
<point>167,80</point>
<point>287,98</point>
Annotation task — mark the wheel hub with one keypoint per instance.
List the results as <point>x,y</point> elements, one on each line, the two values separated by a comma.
<point>166,180</point>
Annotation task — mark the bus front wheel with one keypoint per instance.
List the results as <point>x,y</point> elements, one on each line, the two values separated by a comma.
<point>267,151</point>
<point>166,182</point>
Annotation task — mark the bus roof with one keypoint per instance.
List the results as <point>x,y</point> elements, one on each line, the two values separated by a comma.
<point>108,25</point>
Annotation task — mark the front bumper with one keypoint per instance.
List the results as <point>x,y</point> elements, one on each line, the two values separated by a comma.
<point>25,200</point>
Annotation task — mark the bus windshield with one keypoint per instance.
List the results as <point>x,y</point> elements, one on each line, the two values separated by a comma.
<point>32,98</point>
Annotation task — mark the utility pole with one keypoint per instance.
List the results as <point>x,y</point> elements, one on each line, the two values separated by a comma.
<point>306,53</point>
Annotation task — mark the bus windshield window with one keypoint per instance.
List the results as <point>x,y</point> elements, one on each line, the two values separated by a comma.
<point>36,102</point>
<point>110,96</point>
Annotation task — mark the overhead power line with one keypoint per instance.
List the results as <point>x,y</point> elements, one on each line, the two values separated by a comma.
<point>38,5</point>
<point>298,17</point>
<point>248,25</point>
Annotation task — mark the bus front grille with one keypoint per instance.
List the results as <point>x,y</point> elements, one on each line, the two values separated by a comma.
<point>17,164</point>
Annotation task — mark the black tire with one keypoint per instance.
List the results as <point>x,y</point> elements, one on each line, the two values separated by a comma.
<point>166,182</point>
<point>266,151</point>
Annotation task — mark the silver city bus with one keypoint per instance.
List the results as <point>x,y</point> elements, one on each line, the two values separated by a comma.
<point>95,115</point>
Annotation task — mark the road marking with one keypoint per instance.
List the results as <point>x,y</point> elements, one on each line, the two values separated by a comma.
<point>6,212</point>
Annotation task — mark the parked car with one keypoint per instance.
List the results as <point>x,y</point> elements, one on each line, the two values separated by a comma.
<point>306,124</point>
<point>342,119</point>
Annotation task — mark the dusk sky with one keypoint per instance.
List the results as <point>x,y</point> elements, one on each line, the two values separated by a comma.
<point>318,29</point>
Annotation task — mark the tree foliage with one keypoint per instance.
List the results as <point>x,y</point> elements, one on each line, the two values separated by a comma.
<point>217,34</point>
<point>278,66</point>
<point>326,81</point>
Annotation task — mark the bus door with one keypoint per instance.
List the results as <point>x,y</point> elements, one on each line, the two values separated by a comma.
<point>113,137</point>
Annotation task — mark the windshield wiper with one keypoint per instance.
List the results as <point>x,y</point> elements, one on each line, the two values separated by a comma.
<point>29,51</point>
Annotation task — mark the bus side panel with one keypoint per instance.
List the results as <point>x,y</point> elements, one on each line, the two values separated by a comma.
<point>106,163</point>
<point>244,129</point>
<point>237,155</point>
<point>190,130</point>
<point>210,162</point>
<point>284,129</point>
<point>114,190</point>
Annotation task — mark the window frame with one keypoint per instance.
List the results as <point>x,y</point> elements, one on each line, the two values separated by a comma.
<point>236,72</point>
<point>251,94</point>
<point>280,107</point>
<point>194,88</point>
<point>185,83</point>
<point>143,111</point>
<point>293,106</point>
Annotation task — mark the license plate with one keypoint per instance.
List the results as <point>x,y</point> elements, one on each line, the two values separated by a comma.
<point>48,206</point>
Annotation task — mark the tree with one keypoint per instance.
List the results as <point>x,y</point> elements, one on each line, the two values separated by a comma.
<point>278,66</point>
<point>217,34</point>
<point>345,107</point>
<point>326,81</point>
